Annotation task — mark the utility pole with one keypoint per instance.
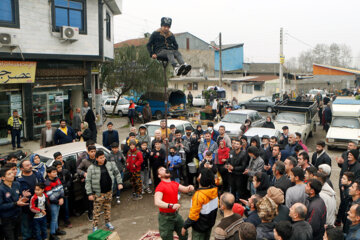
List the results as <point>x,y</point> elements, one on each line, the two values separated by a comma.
<point>220,61</point>
<point>281,63</point>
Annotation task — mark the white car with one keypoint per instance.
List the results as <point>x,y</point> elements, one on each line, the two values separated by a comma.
<point>199,101</point>
<point>235,119</point>
<point>260,131</point>
<point>122,107</point>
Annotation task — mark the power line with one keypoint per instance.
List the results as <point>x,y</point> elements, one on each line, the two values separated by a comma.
<point>299,40</point>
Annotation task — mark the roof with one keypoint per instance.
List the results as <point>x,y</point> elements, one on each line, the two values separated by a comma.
<point>348,70</point>
<point>228,46</point>
<point>65,149</point>
<point>263,78</point>
<point>132,42</point>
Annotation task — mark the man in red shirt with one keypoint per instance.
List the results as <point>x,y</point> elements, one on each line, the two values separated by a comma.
<point>166,198</point>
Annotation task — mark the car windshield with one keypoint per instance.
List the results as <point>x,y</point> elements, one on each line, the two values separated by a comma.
<point>289,117</point>
<point>151,129</point>
<point>123,102</point>
<point>234,118</point>
<point>345,122</point>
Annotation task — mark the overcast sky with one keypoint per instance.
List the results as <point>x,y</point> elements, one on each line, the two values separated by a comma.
<point>255,23</point>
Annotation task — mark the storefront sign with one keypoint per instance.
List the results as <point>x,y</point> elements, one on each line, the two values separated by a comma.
<point>59,98</point>
<point>17,72</point>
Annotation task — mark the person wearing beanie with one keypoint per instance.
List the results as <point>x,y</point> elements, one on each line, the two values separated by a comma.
<point>326,169</point>
<point>277,195</point>
<point>267,210</point>
<point>132,137</point>
<point>162,45</point>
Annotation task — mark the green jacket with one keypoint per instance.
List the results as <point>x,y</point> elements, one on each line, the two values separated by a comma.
<point>92,181</point>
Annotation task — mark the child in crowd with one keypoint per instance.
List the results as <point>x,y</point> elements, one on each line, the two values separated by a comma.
<point>208,162</point>
<point>38,165</point>
<point>145,167</point>
<point>174,163</point>
<point>117,157</point>
<point>134,159</point>
<point>38,205</point>
<point>66,180</point>
<point>54,189</point>
<point>346,181</point>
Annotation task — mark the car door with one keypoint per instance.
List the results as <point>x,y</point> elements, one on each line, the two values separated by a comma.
<point>107,106</point>
<point>253,103</point>
<point>263,104</point>
<point>123,105</point>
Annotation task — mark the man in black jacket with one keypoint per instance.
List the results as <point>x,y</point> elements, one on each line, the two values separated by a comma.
<point>301,229</point>
<point>316,215</point>
<point>281,180</point>
<point>320,156</point>
<point>162,44</point>
<point>236,165</point>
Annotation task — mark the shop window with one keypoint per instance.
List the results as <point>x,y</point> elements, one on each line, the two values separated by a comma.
<point>69,13</point>
<point>9,13</point>
<point>247,88</point>
<point>195,86</point>
<point>108,26</point>
<point>257,87</point>
<point>234,87</point>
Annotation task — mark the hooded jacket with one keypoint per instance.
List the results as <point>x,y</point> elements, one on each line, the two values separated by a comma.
<point>134,159</point>
<point>84,165</point>
<point>329,196</point>
<point>204,205</point>
<point>41,167</point>
<point>143,138</point>
<point>161,41</point>
<point>118,159</point>
<point>93,177</point>
<point>222,153</point>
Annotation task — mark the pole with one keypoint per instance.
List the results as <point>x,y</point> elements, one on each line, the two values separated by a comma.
<point>281,63</point>
<point>166,112</point>
<point>220,61</point>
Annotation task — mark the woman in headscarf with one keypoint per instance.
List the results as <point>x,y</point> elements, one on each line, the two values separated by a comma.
<point>37,164</point>
<point>85,133</point>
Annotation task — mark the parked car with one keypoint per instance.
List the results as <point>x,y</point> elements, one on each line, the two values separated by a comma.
<point>298,116</point>
<point>71,152</point>
<point>235,119</point>
<point>18,153</point>
<point>122,107</point>
<point>154,125</point>
<point>345,124</point>
<point>199,101</point>
<point>261,103</point>
<point>260,131</point>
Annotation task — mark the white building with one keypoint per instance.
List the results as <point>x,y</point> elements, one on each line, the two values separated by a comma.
<point>49,51</point>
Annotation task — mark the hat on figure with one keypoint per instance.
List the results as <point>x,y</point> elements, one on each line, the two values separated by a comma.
<point>166,21</point>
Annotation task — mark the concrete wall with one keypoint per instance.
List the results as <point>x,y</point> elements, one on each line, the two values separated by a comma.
<point>108,44</point>
<point>199,59</point>
<point>35,34</point>
<point>194,42</point>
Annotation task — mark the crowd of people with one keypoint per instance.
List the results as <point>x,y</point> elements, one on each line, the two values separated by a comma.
<point>266,188</point>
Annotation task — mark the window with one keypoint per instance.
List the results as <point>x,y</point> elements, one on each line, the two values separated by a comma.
<point>247,88</point>
<point>189,86</point>
<point>234,86</point>
<point>257,87</point>
<point>195,86</point>
<point>9,13</point>
<point>108,26</point>
<point>69,13</point>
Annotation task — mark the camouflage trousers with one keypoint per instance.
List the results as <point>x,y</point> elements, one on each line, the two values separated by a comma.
<point>136,182</point>
<point>102,200</point>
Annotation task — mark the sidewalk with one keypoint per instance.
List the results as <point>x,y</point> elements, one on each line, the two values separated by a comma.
<point>31,146</point>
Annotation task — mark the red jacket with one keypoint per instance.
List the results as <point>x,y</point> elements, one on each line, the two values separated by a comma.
<point>223,153</point>
<point>134,159</point>
<point>34,203</point>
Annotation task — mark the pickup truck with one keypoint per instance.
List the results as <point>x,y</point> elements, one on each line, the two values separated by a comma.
<point>176,103</point>
<point>298,116</point>
<point>345,124</point>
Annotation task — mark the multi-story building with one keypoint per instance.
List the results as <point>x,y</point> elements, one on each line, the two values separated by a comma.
<point>49,51</point>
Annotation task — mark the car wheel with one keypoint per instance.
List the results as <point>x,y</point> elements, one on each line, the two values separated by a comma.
<point>158,115</point>
<point>269,109</point>
<point>120,113</point>
<point>243,107</point>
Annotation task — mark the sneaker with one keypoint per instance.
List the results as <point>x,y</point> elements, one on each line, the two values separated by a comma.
<point>95,229</point>
<point>186,69</point>
<point>138,197</point>
<point>109,226</point>
<point>20,147</point>
<point>148,190</point>
<point>68,224</point>
<point>90,217</point>
<point>118,200</point>
<point>54,237</point>
<point>178,70</point>
<point>150,182</point>
<point>60,232</point>
<point>143,192</point>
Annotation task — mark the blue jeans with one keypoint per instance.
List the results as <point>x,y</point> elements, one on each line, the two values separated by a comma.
<point>55,208</point>
<point>40,228</point>
<point>116,185</point>
<point>65,209</point>
<point>15,133</point>
<point>26,225</point>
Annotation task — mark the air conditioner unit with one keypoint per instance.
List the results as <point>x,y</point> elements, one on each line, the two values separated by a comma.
<point>5,39</point>
<point>69,33</point>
